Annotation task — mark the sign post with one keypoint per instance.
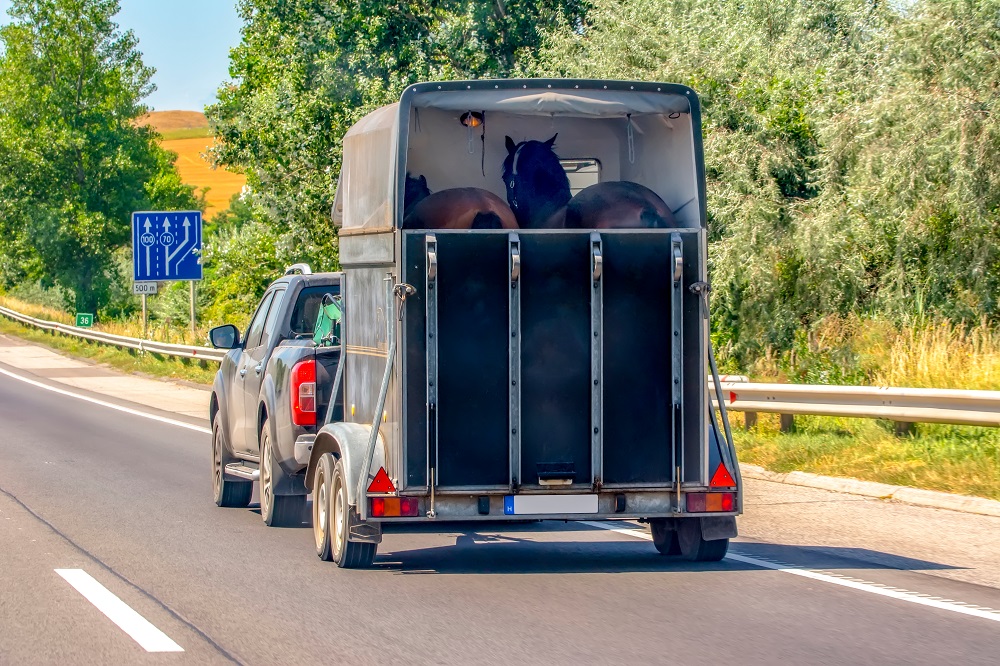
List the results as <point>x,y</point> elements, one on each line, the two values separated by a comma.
<point>166,246</point>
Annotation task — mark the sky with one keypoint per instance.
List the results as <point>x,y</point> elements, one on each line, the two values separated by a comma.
<point>186,41</point>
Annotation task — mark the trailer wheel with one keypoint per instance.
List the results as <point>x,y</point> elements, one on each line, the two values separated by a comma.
<point>664,537</point>
<point>346,554</point>
<point>322,487</point>
<point>228,492</point>
<point>693,545</point>
<point>276,510</point>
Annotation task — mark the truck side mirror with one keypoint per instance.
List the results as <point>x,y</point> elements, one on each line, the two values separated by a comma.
<point>225,337</point>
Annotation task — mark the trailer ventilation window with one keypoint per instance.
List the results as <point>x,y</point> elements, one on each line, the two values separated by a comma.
<point>582,173</point>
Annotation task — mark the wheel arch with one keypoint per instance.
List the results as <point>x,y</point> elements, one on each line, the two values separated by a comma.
<point>348,442</point>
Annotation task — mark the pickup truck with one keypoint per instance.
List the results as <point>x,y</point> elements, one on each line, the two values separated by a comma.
<point>267,393</point>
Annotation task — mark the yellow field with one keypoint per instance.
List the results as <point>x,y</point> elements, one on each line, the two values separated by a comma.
<point>192,167</point>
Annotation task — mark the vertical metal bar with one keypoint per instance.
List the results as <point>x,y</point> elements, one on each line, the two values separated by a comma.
<point>677,356</point>
<point>145,319</point>
<point>430,243</point>
<point>596,360</point>
<point>514,354</point>
<point>192,312</point>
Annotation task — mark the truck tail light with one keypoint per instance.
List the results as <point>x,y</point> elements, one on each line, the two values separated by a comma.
<point>304,393</point>
<point>395,507</point>
<point>708,502</point>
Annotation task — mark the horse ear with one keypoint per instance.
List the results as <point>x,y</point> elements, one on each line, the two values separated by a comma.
<point>552,141</point>
<point>511,146</point>
<point>423,180</point>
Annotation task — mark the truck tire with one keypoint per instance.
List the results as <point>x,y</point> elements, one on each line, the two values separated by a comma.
<point>664,537</point>
<point>693,545</point>
<point>228,492</point>
<point>276,510</point>
<point>322,487</point>
<point>346,554</point>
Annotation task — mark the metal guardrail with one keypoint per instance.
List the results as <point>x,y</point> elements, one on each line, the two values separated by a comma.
<point>902,405</point>
<point>163,348</point>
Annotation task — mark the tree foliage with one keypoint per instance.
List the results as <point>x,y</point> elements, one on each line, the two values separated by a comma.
<point>73,162</point>
<point>851,149</point>
<point>306,70</point>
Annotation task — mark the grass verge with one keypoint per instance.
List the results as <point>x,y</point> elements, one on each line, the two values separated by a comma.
<point>955,459</point>
<point>119,359</point>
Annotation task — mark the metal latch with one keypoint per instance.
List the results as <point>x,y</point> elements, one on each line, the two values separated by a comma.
<point>701,289</point>
<point>596,257</point>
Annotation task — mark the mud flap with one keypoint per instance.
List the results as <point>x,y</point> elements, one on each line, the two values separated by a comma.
<point>718,527</point>
<point>361,532</point>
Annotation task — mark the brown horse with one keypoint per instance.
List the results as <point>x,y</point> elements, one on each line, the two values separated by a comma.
<point>456,208</point>
<point>538,193</point>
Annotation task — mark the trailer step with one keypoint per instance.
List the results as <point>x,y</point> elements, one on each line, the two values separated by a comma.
<point>242,471</point>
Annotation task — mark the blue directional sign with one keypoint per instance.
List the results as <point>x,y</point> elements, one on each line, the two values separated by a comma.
<point>166,245</point>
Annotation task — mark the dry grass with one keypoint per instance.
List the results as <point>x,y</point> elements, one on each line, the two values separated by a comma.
<point>165,121</point>
<point>132,328</point>
<point>195,170</point>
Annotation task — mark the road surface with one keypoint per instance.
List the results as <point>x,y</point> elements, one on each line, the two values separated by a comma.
<point>122,502</point>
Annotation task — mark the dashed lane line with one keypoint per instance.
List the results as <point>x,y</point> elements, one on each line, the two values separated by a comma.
<point>836,579</point>
<point>139,628</point>
<point>109,405</point>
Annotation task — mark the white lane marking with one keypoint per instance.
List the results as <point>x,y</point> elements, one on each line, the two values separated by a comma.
<point>139,628</point>
<point>837,579</point>
<point>110,405</point>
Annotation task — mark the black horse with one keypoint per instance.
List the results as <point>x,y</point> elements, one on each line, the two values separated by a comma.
<point>538,193</point>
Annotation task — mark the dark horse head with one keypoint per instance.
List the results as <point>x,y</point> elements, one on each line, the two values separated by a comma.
<point>416,190</point>
<point>537,185</point>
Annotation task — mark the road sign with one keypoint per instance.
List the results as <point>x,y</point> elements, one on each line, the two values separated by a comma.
<point>166,245</point>
<point>84,319</point>
<point>144,288</point>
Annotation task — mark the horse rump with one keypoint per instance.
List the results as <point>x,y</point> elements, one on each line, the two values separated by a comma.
<point>618,205</point>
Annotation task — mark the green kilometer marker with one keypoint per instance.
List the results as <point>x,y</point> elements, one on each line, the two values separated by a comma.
<point>84,319</point>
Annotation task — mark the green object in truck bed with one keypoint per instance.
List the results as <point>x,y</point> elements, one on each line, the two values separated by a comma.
<point>327,331</point>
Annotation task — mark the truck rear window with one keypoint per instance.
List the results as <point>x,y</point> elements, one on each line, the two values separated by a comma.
<point>307,308</point>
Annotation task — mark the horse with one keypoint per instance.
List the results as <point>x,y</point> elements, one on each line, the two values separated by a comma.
<point>456,208</point>
<point>538,193</point>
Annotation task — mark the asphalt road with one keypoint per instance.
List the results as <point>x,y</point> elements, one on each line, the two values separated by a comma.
<point>127,499</point>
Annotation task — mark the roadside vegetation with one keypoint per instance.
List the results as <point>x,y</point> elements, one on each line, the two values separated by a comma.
<point>852,159</point>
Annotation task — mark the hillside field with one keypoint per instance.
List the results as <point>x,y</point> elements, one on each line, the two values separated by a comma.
<point>187,134</point>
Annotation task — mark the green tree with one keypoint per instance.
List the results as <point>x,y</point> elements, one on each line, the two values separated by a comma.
<point>306,70</point>
<point>73,161</point>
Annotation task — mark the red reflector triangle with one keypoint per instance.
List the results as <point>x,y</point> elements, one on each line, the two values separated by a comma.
<point>732,397</point>
<point>381,483</point>
<point>722,478</point>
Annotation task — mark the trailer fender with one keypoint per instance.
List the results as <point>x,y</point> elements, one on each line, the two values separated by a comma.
<point>349,443</point>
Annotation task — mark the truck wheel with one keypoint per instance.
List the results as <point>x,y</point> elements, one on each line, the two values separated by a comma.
<point>664,538</point>
<point>347,554</point>
<point>276,510</point>
<point>694,547</point>
<point>322,488</point>
<point>228,492</point>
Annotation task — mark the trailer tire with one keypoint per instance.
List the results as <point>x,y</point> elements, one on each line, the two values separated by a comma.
<point>347,554</point>
<point>229,493</point>
<point>695,547</point>
<point>322,483</point>
<point>664,537</point>
<point>276,510</point>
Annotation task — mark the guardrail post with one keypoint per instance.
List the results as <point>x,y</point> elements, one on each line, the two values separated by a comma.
<point>787,422</point>
<point>904,428</point>
<point>749,420</point>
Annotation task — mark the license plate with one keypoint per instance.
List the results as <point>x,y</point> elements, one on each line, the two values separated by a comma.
<point>528,505</point>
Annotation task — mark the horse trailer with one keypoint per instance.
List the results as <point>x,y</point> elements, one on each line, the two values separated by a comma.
<point>491,373</point>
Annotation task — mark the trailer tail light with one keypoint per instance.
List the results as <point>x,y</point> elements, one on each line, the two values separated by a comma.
<point>304,393</point>
<point>708,502</point>
<point>395,507</point>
